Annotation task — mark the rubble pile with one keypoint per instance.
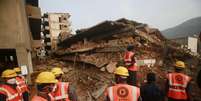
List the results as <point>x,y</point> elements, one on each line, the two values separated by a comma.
<point>105,43</point>
<point>90,57</point>
<point>89,82</point>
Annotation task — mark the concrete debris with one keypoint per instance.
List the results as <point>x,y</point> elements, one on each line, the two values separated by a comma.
<point>89,97</point>
<point>102,69</point>
<point>111,67</point>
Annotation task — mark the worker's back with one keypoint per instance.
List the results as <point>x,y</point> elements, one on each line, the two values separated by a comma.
<point>123,92</point>
<point>178,84</point>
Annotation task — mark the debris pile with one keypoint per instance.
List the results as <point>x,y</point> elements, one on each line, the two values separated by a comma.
<point>90,57</point>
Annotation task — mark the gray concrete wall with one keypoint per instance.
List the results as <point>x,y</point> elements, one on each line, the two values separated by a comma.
<point>14,30</point>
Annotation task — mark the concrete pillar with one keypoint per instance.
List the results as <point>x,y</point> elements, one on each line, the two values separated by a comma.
<point>24,58</point>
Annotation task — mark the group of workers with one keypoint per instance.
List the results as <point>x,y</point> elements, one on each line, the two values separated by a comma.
<point>177,86</point>
<point>50,86</point>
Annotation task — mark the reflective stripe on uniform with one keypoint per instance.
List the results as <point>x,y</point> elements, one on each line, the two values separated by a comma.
<point>134,93</point>
<point>19,82</point>
<point>177,90</point>
<point>20,87</point>
<point>187,79</point>
<point>51,97</point>
<point>110,94</point>
<point>170,79</point>
<point>179,85</point>
<point>176,84</point>
<point>64,94</point>
<point>9,95</point>
<point>12,97</point>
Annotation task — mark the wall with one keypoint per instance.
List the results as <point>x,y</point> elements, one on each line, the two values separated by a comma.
<point>13,26</point>
<point>54,18</point>
<point>193,44</point>
<point>14,30</point>
<point>54,26</point>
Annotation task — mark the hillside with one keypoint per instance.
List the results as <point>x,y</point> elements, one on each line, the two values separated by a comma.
<point>187,28</point>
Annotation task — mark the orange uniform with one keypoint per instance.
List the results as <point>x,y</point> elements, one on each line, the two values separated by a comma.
<point>61,92</point>
<point>11,93</point>
<point>177,86</point>
<point>123,92</point>
<point>129,61</point>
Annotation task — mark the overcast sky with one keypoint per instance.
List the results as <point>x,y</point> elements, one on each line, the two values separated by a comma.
<point>160,14</point>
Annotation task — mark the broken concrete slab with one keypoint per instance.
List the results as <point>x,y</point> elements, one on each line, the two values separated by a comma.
<point>111,67</point>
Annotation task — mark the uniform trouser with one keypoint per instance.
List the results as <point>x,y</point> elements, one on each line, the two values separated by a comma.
<point>170,99</point>
<point>132,78</point>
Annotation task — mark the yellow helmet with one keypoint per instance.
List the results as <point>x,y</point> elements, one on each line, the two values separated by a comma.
<point>57,71</point>
<point>180,64</point>
<point>122,71</point>
<point>46,77</point>
<point>9,73</point>
<point>17,69</point>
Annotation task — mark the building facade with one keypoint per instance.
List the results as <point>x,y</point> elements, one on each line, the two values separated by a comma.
<point>56,27</point>
<point>19,29</point>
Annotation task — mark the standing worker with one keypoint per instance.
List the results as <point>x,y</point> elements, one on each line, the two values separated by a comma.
<point>21,84</point>
<point>46,82</point>
<point>8,90</point>
<point>129,61</point>
<point>178,84</point>
<point>63,90</point>
<point>122,91</point>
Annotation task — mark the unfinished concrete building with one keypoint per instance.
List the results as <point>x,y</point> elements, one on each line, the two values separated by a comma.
<point>19,29</point>
<point>56,27</point>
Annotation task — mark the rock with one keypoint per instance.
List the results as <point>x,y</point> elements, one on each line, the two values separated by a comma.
<point>102,69</point>
<point>66,70</point>
<point>111,67</point>
<point>89,97</point>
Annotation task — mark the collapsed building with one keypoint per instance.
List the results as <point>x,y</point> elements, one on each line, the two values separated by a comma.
<point>90,57</point>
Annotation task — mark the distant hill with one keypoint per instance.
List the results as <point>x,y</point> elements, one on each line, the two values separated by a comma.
<point>187,28</point>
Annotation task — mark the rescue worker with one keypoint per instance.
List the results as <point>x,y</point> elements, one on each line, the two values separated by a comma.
<point>46,82</point>
<point>150,91</point>
<point>69,92</point>
<point>121,91</point>
<point>8,90</point>
<point>21,84</point>
<point>178,84</point>
<point>129,60</point>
